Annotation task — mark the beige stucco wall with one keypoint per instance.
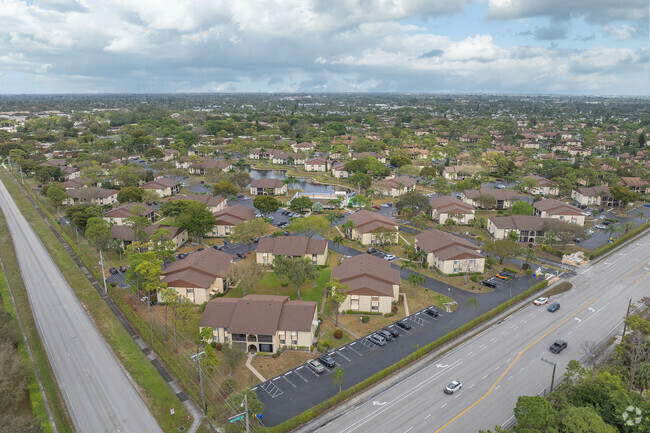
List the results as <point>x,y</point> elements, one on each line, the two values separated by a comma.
<point>385,303</point>
<point>266,259</point>
<point>450,267</point>
<point>443,217</point>
<point>586,200</point>
<point>321,168</point>
<point>220,231</point>
<point>370,238</point>
<point>496,232</point>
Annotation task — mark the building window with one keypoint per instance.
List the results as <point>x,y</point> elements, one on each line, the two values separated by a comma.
<point>294,338</point>
<point>374,303</point>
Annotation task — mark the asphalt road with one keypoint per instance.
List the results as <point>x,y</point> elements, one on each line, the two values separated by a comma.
<point>97,392</point>
<point>505,361</point>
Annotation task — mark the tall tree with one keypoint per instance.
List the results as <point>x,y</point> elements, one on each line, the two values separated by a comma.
<point>233,355</point>
<point>336,294</point>
<point>309,226</point>
<point>98,232</point>
<point>503,249</point>
<point>130,194</point>
<point>197,219</point>
<point>138,223</point>
<point>248,231</point>
<point>565,231</point>
<point>296,269</point>
<point>266,204</point>
<point>247,274</point>
<point>338,377</point>
<point>55,194</point>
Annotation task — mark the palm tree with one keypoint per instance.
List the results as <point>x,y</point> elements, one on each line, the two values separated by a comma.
<point>407,264</point>
<point>290,181</point>
<point>416,280</point>
<point>338,377</point>
<point>338,240</point>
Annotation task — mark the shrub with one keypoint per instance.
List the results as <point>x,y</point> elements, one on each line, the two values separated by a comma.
<point>227,387</point>
<point>217,346</point>
<point>510,270</point>
<point>202,307</point>
<point>474,278</point>
<point>338,334</point>
<point>391,314</point>
<point>395,308</point>
<point>365,319</point>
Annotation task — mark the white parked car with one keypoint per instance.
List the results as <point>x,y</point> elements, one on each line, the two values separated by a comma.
<point>501,186</point>
<point>389,257</point>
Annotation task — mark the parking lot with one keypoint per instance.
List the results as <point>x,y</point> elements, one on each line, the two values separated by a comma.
<point>296,390</point>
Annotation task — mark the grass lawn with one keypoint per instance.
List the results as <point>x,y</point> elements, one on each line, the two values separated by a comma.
<point>419,298</point>
<point>353,321</point>
<point>270,367</point>
<point>271,284</point>
<point>149,382</point>
<point>326,334</point>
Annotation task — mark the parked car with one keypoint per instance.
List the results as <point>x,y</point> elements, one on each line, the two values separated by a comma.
<point>501,186</point>
<point>327,360</point>
<point>217,247</point>
<point>394,332</point>
<point>488,283</point>
<point>241,255</point>
<point>371,250</point>
<point>316,366</point>
<point>113,271</point>
<point>540,301</point>
<point>389,257</point>
<point>554,307</point>
<point>377,207</point>
<point>384,205</point>
<point>377,339</point>
<point>501,276</point>
<point>507,274</point>
<point>387,335</point>
<point>558,346</point>
<point>432,312</point>
<point>404,324</point>
<point>453,387</point>
<point>124,268</point>
<point>600,226</point>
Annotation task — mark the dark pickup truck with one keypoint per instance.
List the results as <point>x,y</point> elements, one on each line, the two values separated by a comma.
<point>558,346</point>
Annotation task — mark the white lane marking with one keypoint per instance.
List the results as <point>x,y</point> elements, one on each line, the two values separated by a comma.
<point>497,387</point>
<point>470,353</point>
<point>484,377</point>
<point>443,405</point>
<point>457,395</point>
<point>595,312</point>
<point>493,340</point>
<point>358,423</point>
<point>406,431</point>
<point>428,416</point>
<point>509,377</point>
<point>472,386</point>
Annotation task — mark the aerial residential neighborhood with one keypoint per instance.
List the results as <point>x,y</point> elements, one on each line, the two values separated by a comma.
<point>283,256</point>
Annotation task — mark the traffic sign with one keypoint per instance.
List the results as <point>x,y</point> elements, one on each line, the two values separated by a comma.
<point>236,418</point>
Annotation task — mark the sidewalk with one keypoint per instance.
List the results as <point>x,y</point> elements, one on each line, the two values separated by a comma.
<point>251,368</point>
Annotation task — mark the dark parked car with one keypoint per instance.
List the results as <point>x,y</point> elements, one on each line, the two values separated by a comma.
<point>404,324</point>
<point>217,247</point>
<point>431,312</point>
<point>241,255</point>
<point>488,283</point>
<point>394,332</point>
<point>554,307</point>
<point>113,271</point>
<point>371,250</point>
<point>558,346</point>
<point>327,360</point>
<point>377,339</point>
<point>387,335</point>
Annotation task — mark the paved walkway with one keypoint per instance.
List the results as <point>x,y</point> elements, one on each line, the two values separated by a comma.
<point>251,368</point>
<point>341,326</point>
<point>406,304</point>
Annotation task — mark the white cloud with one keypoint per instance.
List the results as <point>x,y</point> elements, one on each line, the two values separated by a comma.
<point>300,45</point>
<point>620,33</point>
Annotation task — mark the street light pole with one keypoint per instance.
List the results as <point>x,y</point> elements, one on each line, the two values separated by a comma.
<point>197,358</point>
<point>246,412</point>
<point>553,376</point>
<point>627,314</point>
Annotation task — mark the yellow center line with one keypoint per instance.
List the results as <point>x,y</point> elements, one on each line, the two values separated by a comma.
<point>644,275</point>
<point>513,363</point>
<point>633,271</point>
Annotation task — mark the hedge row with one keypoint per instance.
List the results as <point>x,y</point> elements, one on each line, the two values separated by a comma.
<point>319,409</point>
<point>607,247</point>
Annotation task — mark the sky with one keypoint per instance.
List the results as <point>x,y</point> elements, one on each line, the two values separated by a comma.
<point>576,47</point>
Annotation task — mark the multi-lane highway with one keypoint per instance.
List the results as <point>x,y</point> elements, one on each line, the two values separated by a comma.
<point>505,361</point>
<point>97,392</point>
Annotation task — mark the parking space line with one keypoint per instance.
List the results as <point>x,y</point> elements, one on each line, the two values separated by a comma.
<point>300,375</point>
<point>312,372</point>
<point>287,380</point>
<point>354,350</point>
<point>338,352</point>
<point>271,389</point>
<point>369,344</point>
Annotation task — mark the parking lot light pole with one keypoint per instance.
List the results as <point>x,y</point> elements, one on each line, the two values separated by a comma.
<point>553,375</point>
<point>101,262</point>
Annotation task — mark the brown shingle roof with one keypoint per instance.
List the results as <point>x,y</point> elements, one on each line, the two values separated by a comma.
<point>208,200</point>
<point>259,314</point>
<point>498,194</point>
<point>292,245</point>
<point>126,210</point>
<point>446,246</point>
<point>162,183</point>
<point>395,182</point>
<point>541,181</point>
<point>233,215</point>
<point>593,191</point>
<point>556,207</point>
<point>367,275</point>
<point>99,192</point>
<point>126,233</point>
<point>520,222</point>
<point>366,221</point>
<point>633,181</point>
<point>199,269</point>
<point>446,204</point>
<point>266,183</point>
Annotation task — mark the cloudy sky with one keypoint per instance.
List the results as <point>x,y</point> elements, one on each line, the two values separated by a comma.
<point>493,46</point>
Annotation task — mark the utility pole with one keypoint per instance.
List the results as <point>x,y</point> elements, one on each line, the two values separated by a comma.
<point>246,412</point>
<point>101,262</point>
<point>197,358</point>
<point>148,299</point>
<point>553,376</point>
<point>627,314</point>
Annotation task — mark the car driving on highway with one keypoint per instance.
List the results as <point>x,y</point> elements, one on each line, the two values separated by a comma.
<point>453,387</point>
<point>540,301</point>
<point>554,307</point>
<point>558,346</point>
